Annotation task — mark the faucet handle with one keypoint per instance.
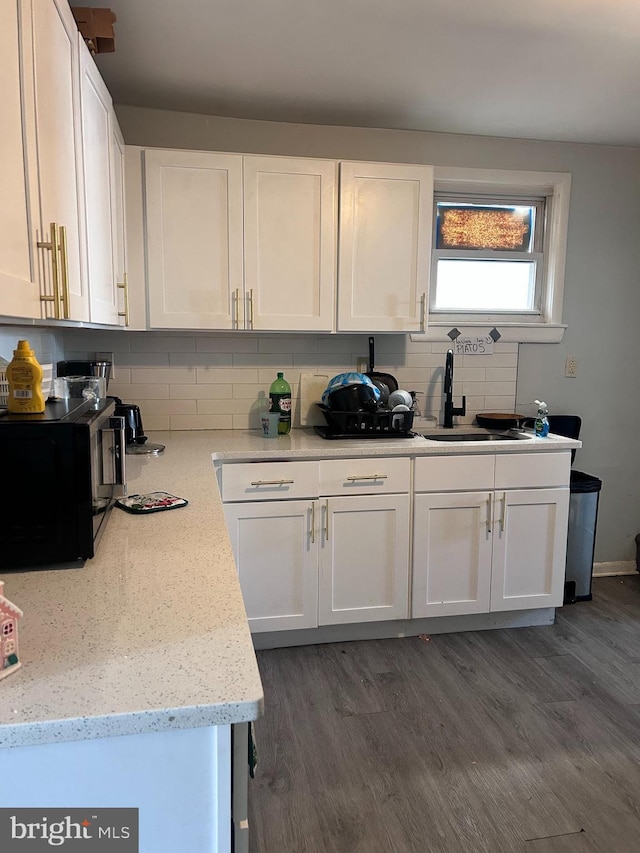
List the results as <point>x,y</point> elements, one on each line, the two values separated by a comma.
<point>460,410</point>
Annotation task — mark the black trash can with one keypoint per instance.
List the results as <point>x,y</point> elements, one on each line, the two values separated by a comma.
<point>581,536</point>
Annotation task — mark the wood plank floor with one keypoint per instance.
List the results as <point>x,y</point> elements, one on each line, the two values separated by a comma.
<point>512,741</point>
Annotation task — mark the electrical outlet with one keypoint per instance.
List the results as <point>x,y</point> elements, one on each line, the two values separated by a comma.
<point>571,367</point>
<point>362,365</point>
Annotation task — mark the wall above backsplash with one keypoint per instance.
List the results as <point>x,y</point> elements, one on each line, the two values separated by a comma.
<point>185,380</point>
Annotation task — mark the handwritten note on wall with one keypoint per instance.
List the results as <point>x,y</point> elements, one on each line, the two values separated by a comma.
<point>471,345</point>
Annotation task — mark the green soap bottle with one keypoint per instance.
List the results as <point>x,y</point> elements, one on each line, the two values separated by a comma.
<point>280,396</point>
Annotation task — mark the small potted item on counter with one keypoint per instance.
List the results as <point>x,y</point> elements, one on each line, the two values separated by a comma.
<point>9,615</point>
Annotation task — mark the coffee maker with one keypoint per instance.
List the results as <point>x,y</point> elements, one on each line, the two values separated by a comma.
<point>136,440</point>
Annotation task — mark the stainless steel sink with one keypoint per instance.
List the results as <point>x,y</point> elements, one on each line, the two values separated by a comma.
<point>475,436</point>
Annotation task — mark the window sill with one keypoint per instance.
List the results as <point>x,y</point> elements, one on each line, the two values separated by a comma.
<point>521,333</point>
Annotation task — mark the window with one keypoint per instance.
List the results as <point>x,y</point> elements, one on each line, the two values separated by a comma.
<point>7,629</point>
<point>498,254</point>
<point>488,253</point>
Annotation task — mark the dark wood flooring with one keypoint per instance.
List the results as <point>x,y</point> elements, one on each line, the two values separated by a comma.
<point>511,741</point>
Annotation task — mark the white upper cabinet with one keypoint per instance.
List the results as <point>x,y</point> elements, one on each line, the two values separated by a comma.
<point>239,242</point>
<point>384,246</point>
<point>96,113</point>
<point>19,290</point>
<point>57,116</point>
<point>289,243</point>
<point>194,239</point>
<point>118,221</point>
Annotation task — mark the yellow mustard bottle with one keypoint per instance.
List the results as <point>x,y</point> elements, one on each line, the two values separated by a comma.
<point>24,376</point>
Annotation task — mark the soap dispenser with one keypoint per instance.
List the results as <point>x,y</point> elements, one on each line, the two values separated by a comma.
<point>542,422</point>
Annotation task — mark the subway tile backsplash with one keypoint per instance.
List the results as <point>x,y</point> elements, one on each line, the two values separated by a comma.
<point>221,380</point>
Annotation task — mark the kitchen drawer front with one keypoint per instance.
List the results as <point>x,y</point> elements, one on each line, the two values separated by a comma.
<point>533,470</point>
<point>369,475</point>
<point>454,473</point>
<point>269,481</point>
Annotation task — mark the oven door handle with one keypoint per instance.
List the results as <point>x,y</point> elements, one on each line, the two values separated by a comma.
<point>116,425</point>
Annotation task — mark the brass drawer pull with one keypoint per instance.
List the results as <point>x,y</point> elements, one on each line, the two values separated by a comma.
<point>368,477</point>
<point>64,270</point>
<point>271,482</point>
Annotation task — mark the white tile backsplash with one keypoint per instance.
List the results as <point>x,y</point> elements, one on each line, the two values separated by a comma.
<point>221,381</point>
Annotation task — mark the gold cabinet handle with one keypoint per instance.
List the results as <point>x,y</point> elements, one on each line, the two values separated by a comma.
<point>326,521</point>
<point>271,482</point>
<point>235,320</point>
<point>503,517</point>
<point>124,286</point>
<point>313,523</point>
<point>64,270</point>
<point>52,246</point>
<point>490,512</point>
<point>368,477</point>
<point>423,312</point>
<point>251,308</point>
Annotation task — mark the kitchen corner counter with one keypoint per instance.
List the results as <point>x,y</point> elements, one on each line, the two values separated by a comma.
<point>151,634</point>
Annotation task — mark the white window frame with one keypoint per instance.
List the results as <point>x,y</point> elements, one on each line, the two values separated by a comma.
<point>545,323</point>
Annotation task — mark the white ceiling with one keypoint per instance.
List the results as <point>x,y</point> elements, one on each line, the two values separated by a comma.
<point>545,69</point>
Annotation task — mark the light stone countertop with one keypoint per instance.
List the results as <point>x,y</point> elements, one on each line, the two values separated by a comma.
<point>151,634</point>
<point>250,445</point>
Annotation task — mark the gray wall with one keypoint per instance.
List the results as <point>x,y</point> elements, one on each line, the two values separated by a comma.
<point>602,296</point>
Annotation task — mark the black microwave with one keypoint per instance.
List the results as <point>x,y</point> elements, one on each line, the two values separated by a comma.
<point>61,472</point>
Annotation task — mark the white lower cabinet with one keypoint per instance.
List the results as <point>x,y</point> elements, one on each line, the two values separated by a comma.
<point>276,554</point>
<point>492,550</point>
<point>336,558</point>
<point>364,559</point>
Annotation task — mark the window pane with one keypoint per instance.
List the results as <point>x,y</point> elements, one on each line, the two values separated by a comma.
<point>472,226</point>
<point>485,285</point>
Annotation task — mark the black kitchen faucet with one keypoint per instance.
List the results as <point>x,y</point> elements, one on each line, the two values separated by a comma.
<point>449,409</point>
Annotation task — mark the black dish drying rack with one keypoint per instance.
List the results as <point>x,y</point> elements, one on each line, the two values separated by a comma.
<point>382,423</point>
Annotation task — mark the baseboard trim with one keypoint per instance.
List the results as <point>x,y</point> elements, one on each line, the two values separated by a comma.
<point>404,628</point>
<point>613,568</point>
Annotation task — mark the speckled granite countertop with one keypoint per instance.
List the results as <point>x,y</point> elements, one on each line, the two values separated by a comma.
<point>152,633</point>
<point>149,635</point>
<point>249,445</point>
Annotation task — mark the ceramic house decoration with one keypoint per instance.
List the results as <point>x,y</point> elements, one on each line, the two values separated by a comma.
<point>9,615</point>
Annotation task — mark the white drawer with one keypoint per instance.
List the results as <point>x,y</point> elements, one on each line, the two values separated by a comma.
<point>370,475</point>
<point>453,473</point>
<point>533,470</point>
<point>268,481</point>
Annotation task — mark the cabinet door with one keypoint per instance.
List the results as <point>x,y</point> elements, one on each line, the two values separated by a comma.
<point>19,293</point>
<point>529,549</point>
<point>364,559</point>
<point>451,554</point>
<point>290,243</point>
<point>118,222</point>
<point>384,246</point>
<point>57,110</point>
<point>275,547</point>
<point>96,108</point>
<point>194,239</point>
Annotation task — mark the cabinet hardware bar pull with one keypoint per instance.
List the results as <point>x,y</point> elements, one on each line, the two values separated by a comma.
<point>490,512</point>
<point>52,246</point>
<point>235,320</point>
<point>313,523</point>
<point>326,521</point>
<point>124,286</point>
<point>251,308</point>
<point>503,517</point>
<point>271,482</point>
<point>423,312</point>
<point>64,268</point>
<point>368,477</point>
